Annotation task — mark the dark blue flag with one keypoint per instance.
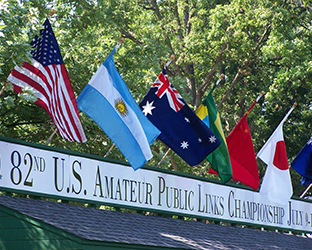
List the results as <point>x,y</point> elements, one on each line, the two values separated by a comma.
<point>303,163</point>
<point>181,129</point>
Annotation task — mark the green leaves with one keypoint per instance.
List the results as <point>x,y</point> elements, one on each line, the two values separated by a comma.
<point>259,45</point>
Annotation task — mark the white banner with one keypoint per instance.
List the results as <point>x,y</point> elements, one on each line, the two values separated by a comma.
<point>28,169</point>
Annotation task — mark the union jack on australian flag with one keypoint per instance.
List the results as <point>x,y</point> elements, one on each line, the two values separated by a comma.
<point>180,127</point>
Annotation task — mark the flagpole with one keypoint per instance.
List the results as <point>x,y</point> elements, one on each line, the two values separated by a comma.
<point>261,94</point>
<point>170,60</point>
<point>291,109</point>
<point>305,191</point>
<point>254,103</point>
<point>52,12</point>
<point>51,136</point>
<point>222,76</point>
<point>119,43</point>
<point>110,150</point>
<point>203,169</point>
<point>162,159</point>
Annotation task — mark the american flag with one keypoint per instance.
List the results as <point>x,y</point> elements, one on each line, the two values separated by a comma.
<point>47,77</point>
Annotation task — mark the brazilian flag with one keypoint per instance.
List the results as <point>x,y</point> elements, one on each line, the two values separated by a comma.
<point>219,158</point>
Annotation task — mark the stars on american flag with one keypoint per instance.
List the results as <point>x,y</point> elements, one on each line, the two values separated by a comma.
<point>46,50</point>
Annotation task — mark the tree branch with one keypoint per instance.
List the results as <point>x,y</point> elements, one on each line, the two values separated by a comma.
<point>186,14</point>
<point>246,64</point>
<point>130,36</point>
<point>207,81</point>
<point>155,8</point>
<point>265,33</point>
<point>24,123</point>
<point>176,13</point>
<point>3,87</point>
<point>229,89</point>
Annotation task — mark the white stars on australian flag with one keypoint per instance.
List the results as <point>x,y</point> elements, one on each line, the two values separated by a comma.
<point>148,110</point>
<point>181,129</point>
<point>184,145</point>
<point>212,139</point>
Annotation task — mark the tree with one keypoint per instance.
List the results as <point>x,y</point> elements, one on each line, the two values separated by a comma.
<point>259,45</point>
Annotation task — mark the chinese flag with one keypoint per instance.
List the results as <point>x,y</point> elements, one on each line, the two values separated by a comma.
<point>242,154</point>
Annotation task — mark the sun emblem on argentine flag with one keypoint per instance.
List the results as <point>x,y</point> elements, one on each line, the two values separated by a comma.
<point>212,139</point>
<point>121,107</point>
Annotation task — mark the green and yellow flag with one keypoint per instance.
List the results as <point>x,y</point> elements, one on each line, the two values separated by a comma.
<point>219,158</point>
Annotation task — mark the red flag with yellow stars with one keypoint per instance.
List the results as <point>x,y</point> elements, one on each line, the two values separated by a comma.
<point>242,154</point>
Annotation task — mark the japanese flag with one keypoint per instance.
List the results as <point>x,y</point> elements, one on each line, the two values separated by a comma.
<point>276,185</point>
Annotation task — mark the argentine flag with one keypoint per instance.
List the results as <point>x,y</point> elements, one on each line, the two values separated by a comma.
<point>107,100</point>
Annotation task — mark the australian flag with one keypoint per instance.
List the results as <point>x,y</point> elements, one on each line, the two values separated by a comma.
<point>181,129</point>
